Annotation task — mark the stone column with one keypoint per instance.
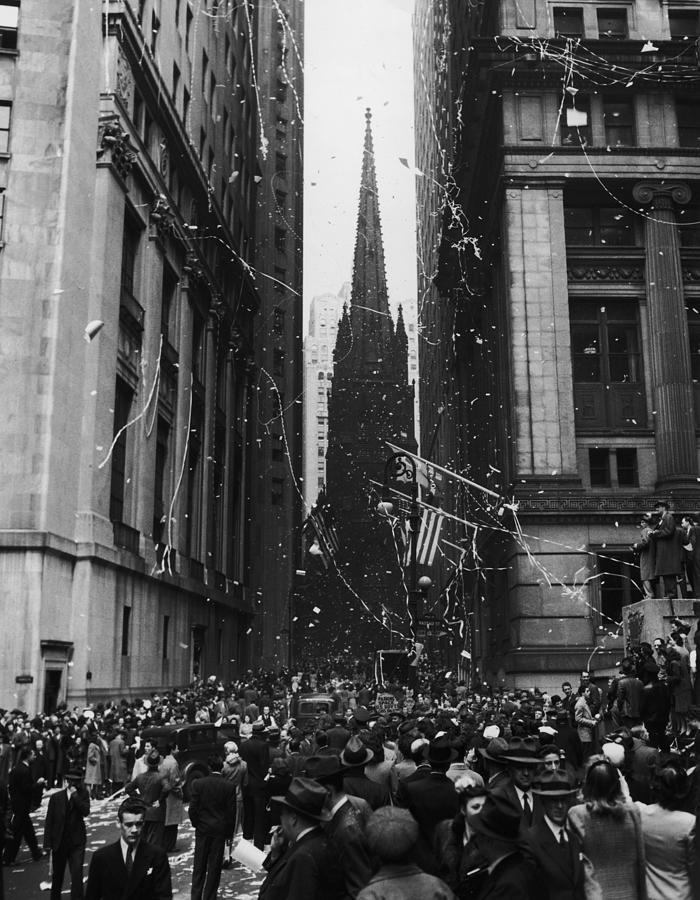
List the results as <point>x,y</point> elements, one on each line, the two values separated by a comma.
<point>676,455</point>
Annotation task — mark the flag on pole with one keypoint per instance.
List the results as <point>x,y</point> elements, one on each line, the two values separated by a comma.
<point>319,524</point>
<point>428,538</point>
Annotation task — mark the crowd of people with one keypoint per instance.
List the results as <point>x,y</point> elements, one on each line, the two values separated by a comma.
<point>668,553</point>
<point>446,792</point>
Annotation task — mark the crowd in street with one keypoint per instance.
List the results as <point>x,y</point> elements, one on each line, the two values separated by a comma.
<point>445,792</point>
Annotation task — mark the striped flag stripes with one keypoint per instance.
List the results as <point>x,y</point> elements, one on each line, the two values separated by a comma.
<point>428,538</point>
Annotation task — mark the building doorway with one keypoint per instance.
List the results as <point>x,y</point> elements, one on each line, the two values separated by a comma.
<point>52,690</point>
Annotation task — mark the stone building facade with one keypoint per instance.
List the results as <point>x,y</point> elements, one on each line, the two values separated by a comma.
<point>279,323</point>
<point>574,341</point>
<point>128,176</point>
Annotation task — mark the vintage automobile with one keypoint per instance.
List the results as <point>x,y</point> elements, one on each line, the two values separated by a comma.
<point>196,743</point>
<point>307,709</point>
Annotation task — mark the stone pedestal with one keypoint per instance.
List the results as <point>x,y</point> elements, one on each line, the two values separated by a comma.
<point>649,619</point>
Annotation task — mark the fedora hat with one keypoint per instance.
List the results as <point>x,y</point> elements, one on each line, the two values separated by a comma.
<point>355,753</point>
<point>522,750</point>
<point>495,750</point>
<point>554,784</point>
<point>362,715</point>
<point>306,797</point>
<point>499,818</point>
<point>322,767</point>
<point>440,751</point>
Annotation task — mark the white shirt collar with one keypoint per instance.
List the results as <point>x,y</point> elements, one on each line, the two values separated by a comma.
<point>522,794</point>
<point>555,829</point>
<point>125,849</point>
<point>305,831</point>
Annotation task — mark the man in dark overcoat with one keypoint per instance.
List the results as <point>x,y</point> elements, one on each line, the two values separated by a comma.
<point>556,849</point>
<point>25,796</point>
<point>213,814</point>
<point>130,868</point>
<point>522,761</point>
<point>255,752</point>
<point>65,836</point>
<point>301,864</point>
<point>668,543</point>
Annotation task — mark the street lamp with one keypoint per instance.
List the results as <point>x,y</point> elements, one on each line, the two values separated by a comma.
<point>403,468</point>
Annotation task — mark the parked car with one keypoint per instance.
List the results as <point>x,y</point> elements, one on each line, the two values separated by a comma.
<point>196,743</point>
<point>307,709</point>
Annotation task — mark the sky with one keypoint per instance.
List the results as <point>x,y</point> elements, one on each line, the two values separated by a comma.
<point>358,53</point>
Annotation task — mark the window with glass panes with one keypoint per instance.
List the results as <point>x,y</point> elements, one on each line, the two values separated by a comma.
<point>618,119</point>
<point>611,226</point>
<point>617,584</point>
<point>9,19</point>
<point>688,218</point>
<point>688,119</point>
<point>5,114</point>
<point>568,21</point>
<point>683,24</point>
<point>612,23</point>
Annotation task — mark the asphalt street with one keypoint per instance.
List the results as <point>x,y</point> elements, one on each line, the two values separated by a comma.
<point>24,880</point>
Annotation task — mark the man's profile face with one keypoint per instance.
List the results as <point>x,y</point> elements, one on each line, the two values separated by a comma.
<point>131,826</point>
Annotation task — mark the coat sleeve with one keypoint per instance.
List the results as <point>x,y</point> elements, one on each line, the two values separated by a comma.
<point>194,804</point>
<point>93,889</point>
<point>48,824</point>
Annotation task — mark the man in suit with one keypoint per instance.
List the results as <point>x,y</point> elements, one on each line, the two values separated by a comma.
<point>25,795</point>
<point>213,814</point>
<point>522,761</point>
<point>345,829</point>
<point>511,874</point>
<point>432,799</point>
<point>65,836</point>
<point>338,735</point>
<point>556,849</point>
<point>301,864</point>
<point>354,758</point>
<point>129,869</point>
<point>255,752</point>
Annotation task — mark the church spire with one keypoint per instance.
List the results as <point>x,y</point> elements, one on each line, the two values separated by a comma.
<point>371,321</point>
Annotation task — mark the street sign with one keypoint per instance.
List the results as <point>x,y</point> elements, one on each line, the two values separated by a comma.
<point>24,679</point>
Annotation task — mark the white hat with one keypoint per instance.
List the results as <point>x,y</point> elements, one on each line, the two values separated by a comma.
<point>614,753</point>
<point>491,732</point>
<point>417,744</point>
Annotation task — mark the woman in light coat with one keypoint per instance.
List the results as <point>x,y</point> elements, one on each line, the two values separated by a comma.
<point>586,722</point>
<point>94,775</point>
<point>610,832</point>
<point>669,836</point>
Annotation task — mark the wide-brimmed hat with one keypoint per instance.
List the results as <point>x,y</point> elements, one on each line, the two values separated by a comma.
<point>320,768</point>
<point>499,818</point>
<point>554,784</point>
<point>306,797</point>
<point>495,750</point>
<point>362,715</point>
<point>356,753</point>
<point>258,727</point>
<point>440,751</point>
<point>522,750</point>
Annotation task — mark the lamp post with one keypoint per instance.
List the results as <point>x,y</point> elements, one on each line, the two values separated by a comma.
<point>403,468</point>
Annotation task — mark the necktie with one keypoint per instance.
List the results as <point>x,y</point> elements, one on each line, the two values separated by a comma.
<point>527,810</point>
<point>129,859</point>
<point>562,838</point>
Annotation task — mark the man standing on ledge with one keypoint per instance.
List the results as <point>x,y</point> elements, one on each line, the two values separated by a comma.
<point>129,868</point>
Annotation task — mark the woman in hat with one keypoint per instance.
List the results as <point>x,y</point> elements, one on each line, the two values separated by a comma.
<point>455,848</point>
<point>610,832</point>
<point>669,835</point>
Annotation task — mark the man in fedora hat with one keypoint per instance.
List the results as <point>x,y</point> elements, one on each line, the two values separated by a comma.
<point>511,873</point>
<point>64,833</point>
<point>354,758</point>
<point>557,849</point>
<point>301,864</point>
<point>432,799</point>
<point>345,830</point>
<point>255,752</point>
<point>522,762</point>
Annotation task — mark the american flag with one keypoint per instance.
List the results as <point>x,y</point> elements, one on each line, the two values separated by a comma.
<point>428,538</point>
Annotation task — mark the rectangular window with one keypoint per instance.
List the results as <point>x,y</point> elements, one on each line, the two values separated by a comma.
<point>188,30</point>
<point>688,118</point>
<point>212,97</point>
<point>693,309</point>
<point>122,408</point>
<point>683,24</point>
<point>168,305</point>
<point>220,645</point>
<point>198,346</point>
<point>607,364</point>
<point>609,226</point>
<point>155,31</point>
<point>688,218</point>
<point>166,635</point>
<point>612,24</point>
<point>130,247</point>
<point>278,362</point>
<point>281,201</point>
<point>2,216</point>
<point>618,118</point>
<point>617,584</point>
<point>126,623</point>
<point>5,114</point>
<point>281,165</point>
<point>626,459</point>
<point>176,83</point>
<point>205,74</point>
<point>599,466</point>
<point>185,106</point>
<point>575,129</point>
<point>277,492</point>
<point>280,239</point>
<point>568,21</point>
<point>160,525</point>
<point>278,321</point>
<point>9,19</point>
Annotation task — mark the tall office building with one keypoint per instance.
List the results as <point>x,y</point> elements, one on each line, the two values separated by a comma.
<point>571,335</point>
<point>279,324</point>
<point>128,179</point>
<point>324,315</point>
